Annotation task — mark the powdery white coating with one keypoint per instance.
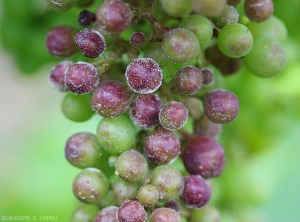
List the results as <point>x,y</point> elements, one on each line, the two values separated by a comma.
<point>173,116</point>
<point>107,214</point>
<point>131,211</point>
<point>81,78</point>
<point>145,109</point>
<point>221,106</point>
<point>259,10</point>
<point>144,75</point>
<point>165,214</point>
<point>90,42</point>
<point>57,75</point>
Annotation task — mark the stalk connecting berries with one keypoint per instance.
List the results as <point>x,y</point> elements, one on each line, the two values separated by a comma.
<point>153,80</point>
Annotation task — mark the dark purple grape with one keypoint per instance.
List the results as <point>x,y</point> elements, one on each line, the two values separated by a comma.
<point>57,75</point>
<point>107,214</point>
<point>144,75</point>
<point>85,18</point>
<point>173,115</point>
<point>164,214</point>
<point>137,39</point>
<point>259,10</point>
<point>221,106</point>
<point>204,156</point>
<point>208,76</point>
<point>131,211</point>
<point>196,191</point>
<point>60,41</point>
<point>144,110</point>
<point>81,78</point>
<point>132,166</point>
<point>114,16</point>
<point>123,190</point>
<point>82,150</point>
<point>188,80</point>
<point>207,128</point>
<point>90,185</point>
<point>111,99</point>
<point>162,146</point>
<point>174,204</point>
<point>148,195</point>
<point>90,42</point>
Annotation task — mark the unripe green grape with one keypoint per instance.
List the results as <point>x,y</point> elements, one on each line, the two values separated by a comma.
<point>207,213</point>
<point>273,28</point>
<point>123,190</point>
<point>200,26</point>
<point>209,8</point>
<point>60,5</point>
<point>180,45</point>
<point>132,166</point>
<point>267,58</point>
<point>77,107</point>
<point>177,8</point>
<point>116,135</point>
<point>148,195</point>
<point>235,40</point>
<point>228,16</point>
<point>90,185</point>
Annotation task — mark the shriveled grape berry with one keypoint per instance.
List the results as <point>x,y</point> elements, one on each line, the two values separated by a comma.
<point>173,115</point>
<point>131,211</point>
<point>180,45</point>
<point>144,75</point>
<point>107,214</point>
<point>90,185</point>
<point>165,214</point>
<point>204,156</point>
<point>148,195</point>
<point>114,16</point>
<point>259,10</point>
<point>57,75</point>
<point>81,78</point>
<point>85,18</point>
<point>60,41</point>
<point>137,39</point>
<point>162,146</point>
<point>144,110</point>
<point>188,80</point>
<point>90,42</point>
<point>83,150</point>
<point>132,166</point>
<point>221,106</point>
<point>196,191</point>
<point>111,99</point>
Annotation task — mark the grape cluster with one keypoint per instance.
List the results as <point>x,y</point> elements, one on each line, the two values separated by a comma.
<point>154,84</point>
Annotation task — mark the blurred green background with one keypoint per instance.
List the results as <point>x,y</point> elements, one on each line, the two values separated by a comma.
<point>260,182</point>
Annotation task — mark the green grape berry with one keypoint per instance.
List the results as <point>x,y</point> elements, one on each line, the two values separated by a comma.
<point>148,195</point>
<point>177,8</point>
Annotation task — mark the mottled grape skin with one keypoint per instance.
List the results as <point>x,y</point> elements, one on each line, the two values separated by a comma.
<point>162,146</point>
<point>83,150</point>
<point>207,75</point>
<point>173,115</point>
<point>57,75</point>
<point>81,78</point>
<point>164,214</point>
<point>144,75</point>
<point>235,40</point>
<point>177,8</point>
<point>123,190</point>
<point>144,110</point>
<point>148,195</point>
<point>90,185</point>
<point>107,214</point>
<point>60,41</point>
<point>266,59</point>
<point>196,191</point>
<point>209,8</point>
<point>204,156</point>
<point>227,16</point>
<point>86,18</point>
<point>169,182</point>
<point>221,106</point>
<point>116,134</point>
<point>132,166</point>
<point>137,39</point>
<point>111,99</point>
<point>180,45</point>
<point>258,10</point>
<point>77,107</point>
<point>114,16</point>
<point>90,42</point>
<point>188,80</point>
<point>131,211</point>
